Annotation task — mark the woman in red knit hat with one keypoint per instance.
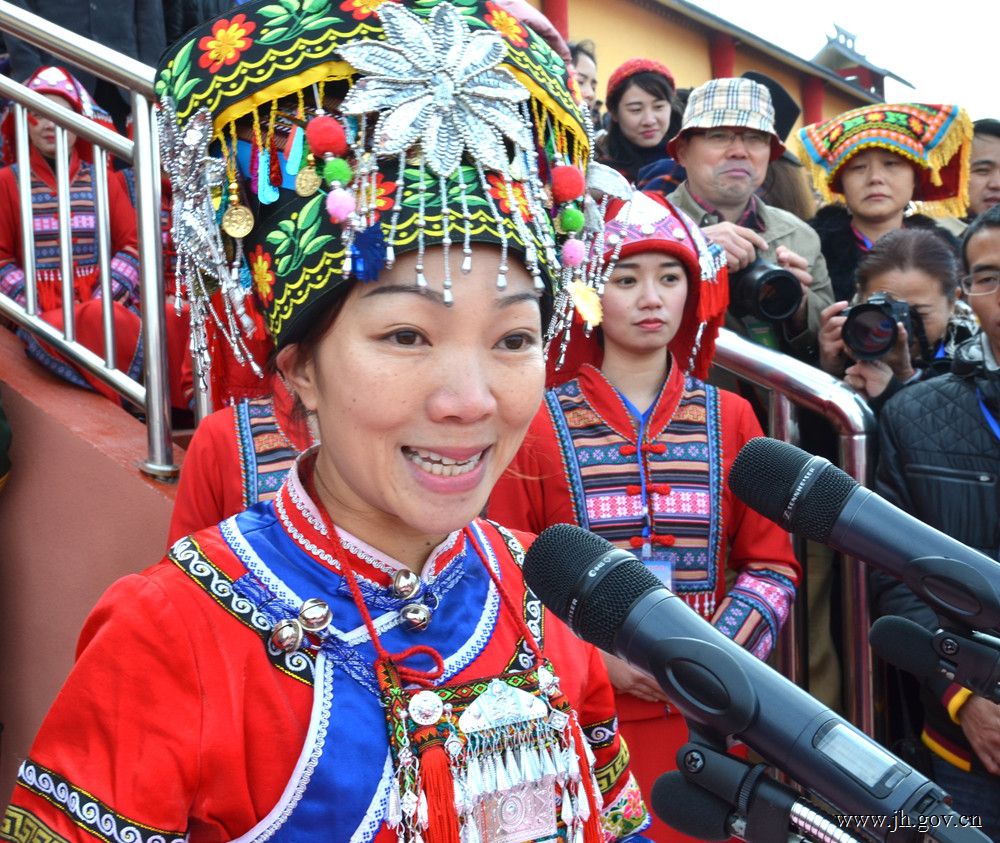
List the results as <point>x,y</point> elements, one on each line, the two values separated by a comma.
<point>641,105</point>
<point>636,448</point>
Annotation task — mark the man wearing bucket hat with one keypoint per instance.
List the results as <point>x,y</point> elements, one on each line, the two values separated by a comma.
<point>726,141</point>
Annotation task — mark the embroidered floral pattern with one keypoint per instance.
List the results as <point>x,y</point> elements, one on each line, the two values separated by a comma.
<point>263,276</point>
<point>228,41</point>
<point>626,815</point>
<point>506,24</point>
<point>361,9</point>
<point>383,199</point>
<point>498,190</point>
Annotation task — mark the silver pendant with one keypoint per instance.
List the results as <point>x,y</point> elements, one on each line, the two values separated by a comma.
<point>315,615</point>
<point>426,708</point>
<point>287,635</point>
<point>405,584</point>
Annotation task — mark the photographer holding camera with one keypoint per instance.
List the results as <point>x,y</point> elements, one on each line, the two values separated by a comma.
<point>907,320</point>
<point>725,144</point>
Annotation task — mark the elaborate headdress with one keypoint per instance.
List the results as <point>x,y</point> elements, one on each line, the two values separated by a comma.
<point>56,80</point>
<point>324,139</point>
<point>935,138</point>
<point>649,223</point>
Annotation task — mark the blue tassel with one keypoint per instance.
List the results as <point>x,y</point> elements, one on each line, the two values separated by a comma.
<point>266,192</point>
<point>368,254</point>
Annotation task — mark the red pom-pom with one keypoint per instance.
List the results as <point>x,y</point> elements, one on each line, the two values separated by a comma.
<point>325,134</point>
<point>567,184</point>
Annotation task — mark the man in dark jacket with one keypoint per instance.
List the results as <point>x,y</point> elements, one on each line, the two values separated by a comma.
<point>940,462</point>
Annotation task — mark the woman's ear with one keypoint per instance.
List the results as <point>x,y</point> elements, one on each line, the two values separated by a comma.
<point>299,372</point>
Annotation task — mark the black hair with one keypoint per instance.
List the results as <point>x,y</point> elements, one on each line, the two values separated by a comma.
<point>987,126</point>
<point>911,248</point>
<point>586,47</point>
<point>987,219</point>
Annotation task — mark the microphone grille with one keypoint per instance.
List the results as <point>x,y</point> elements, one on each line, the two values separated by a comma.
<point>554,565</point>
<point>764,475</point>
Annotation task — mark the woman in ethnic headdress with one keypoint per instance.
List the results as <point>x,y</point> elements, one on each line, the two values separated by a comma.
<point>637,447</point>
<point>360,655</point>
<point>874,165</point>
<point>59,86</point>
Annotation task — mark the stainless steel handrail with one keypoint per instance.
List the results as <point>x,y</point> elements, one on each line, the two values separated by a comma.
<point>852,418</point>
<point>143,155</point>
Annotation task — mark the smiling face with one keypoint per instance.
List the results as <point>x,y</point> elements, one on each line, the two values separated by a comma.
<point>642,117</point>
<point>42,131</point>
<point>723,174</point>
<point>421,406</point>
<point>643,304</point>
<point>877,185</point>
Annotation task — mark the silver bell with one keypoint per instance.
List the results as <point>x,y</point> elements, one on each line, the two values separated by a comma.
<point>287,635</point>
<point>315,615</point>
<point>405,584</point>
<point>417,615</point>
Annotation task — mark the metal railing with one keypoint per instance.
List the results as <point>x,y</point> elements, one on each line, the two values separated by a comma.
<point>793,384</point>
<point>152,396</point>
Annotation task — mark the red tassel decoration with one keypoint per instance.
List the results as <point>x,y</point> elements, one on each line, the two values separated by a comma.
<point>275,173</point>
<point>439,789</point>
<point>592,830</point>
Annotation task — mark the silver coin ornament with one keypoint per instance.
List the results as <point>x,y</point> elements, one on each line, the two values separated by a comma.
<point>417,615</point>
<point>426,708</point>
<point>405,584</point>
<point>315,615</point>
<point>287,635</point>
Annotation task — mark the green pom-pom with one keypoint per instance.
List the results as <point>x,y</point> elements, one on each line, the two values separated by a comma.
<point>571,220</point>
<point>337,170</point>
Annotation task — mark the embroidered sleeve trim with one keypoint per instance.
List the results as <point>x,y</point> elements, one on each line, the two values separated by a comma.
<point>21,826</point>
<point>600,735</point>
<point>609,775</point>
<point>568,452</point>
<point>92,815</point>
<point>627,814</point>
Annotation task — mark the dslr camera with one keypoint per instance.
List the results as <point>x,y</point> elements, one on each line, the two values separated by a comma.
<point>870,330</point>
<point>764,290</point>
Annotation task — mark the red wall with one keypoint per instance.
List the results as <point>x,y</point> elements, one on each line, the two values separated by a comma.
<point>75,515</point>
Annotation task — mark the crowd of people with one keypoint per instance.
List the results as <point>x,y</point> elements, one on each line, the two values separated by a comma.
<point>455,356</point>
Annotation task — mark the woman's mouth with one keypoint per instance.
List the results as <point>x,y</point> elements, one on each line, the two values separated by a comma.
<point>443,465</point>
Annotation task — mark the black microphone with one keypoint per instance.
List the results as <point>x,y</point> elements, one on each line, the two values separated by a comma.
<point>972,660</point>
<point>611,600</point>
<point>809,496</point>
<point>690,809</point>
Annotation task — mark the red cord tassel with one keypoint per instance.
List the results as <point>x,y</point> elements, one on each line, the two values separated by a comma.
<point>275,173</point>
<point>592,830</point>
<point>439,788</point>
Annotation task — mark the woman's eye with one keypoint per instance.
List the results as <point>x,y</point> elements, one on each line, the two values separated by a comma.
<point>517,342</point>
<point>405,337</point>
<point>672,278</point>
<point>624,281</point>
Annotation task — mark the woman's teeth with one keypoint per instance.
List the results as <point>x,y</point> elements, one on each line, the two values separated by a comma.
<point>440,465</point>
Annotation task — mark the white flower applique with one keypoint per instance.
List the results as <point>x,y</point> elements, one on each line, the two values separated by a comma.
<point>437,83</point>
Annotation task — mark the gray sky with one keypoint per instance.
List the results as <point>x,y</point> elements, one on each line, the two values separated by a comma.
<point>940,48</point>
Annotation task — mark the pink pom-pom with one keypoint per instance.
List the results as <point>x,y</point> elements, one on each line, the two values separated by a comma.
<point>340,204</point>
<point>324,134</point>
<point>568,184</point>
<point>572,252</point>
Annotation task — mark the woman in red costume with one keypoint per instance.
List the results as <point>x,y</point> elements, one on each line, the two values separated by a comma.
<point>58,85</point>
<point>637,448</point>
<point>358,658</point>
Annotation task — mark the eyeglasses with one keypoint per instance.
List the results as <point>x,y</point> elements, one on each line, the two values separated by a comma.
<point>725,138</point>
<point>981,283</point>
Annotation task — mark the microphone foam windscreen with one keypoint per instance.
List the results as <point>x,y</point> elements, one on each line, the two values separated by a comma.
<point>689,808</point>
<point>553,566</point>
<point>764,475</point>
<point>905,644</point>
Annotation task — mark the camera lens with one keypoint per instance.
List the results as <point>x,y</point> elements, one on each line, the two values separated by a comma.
<point>869,331</point>
<point>765,291</point>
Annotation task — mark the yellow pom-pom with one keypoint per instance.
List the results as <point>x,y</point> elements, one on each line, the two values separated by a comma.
<point>587,303</point>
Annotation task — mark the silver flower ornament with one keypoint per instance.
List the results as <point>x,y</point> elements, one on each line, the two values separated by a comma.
<point>437,83</point>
